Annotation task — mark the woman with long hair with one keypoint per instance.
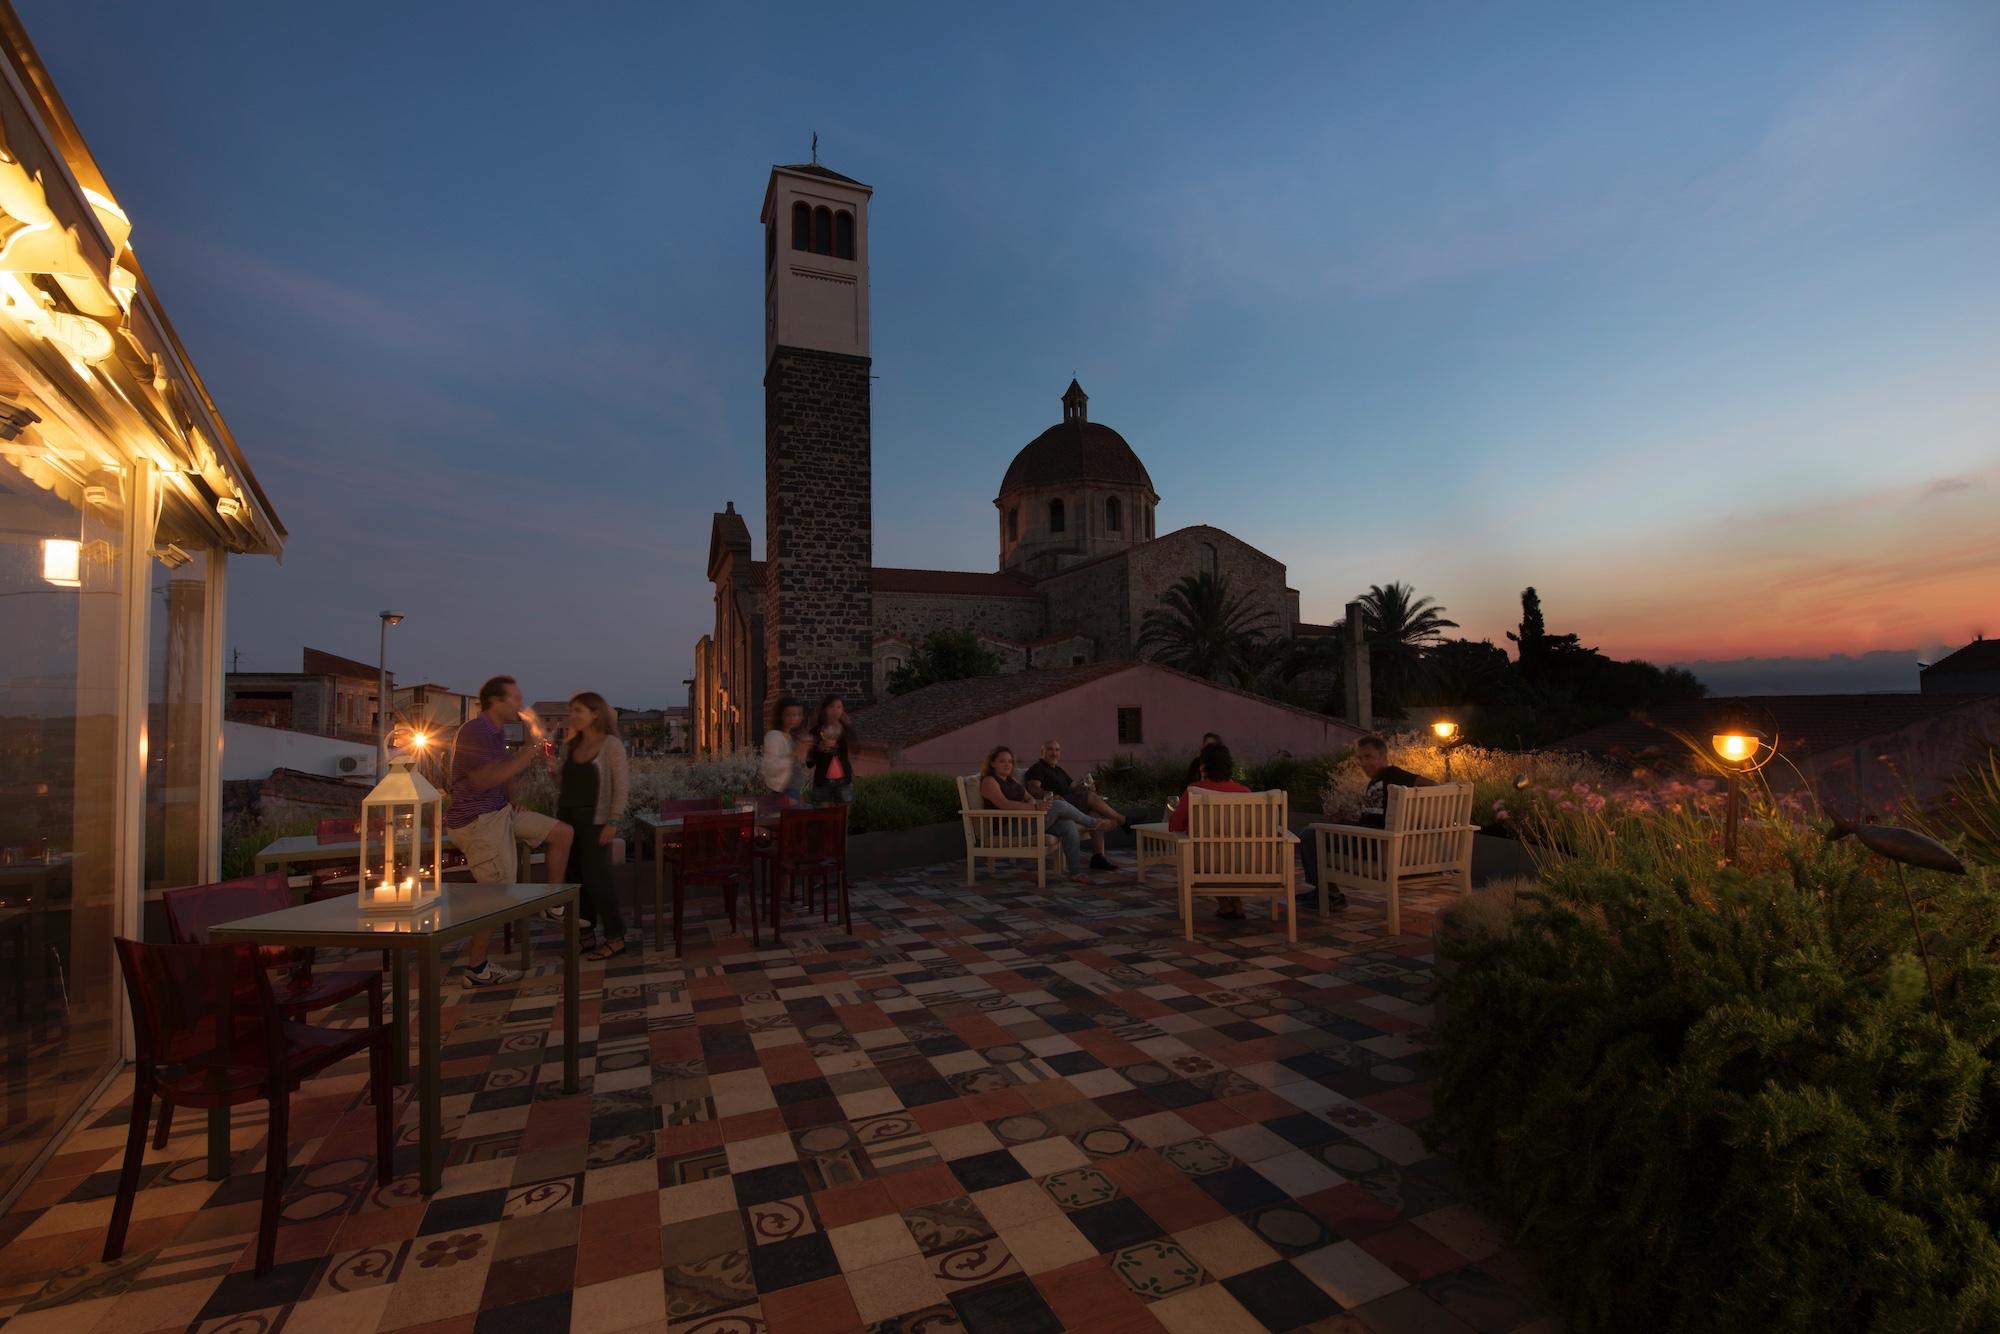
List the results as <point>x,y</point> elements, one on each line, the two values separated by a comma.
<point>832,736</point>
<point>594,785</point>
<point>1002,791</point>
<point>783,763</point>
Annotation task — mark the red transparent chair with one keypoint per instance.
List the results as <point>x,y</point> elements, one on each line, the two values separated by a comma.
<point>716,850</point>
<point>809,855</point>
<point>670,845</point>
<point>339,831</point>
<point>209,1034</point>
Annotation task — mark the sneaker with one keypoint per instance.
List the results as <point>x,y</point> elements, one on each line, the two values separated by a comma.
<point>1100,862</point>
<point>1335,900</point>
<point>490,974</point>
<point>554,914</point>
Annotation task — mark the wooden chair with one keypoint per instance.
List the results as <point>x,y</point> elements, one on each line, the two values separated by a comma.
<point>1427,835</point>
<point>209,1034</point>
<point>716,849</point>
<point>1157,844</point>
<point>994,835</point>
<point>1237,846</point>
<point>810,851</point>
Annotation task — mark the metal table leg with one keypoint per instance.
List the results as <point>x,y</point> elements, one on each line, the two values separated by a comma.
<point>659,889</point>
<point>218,1144</point>
<point>572,996</point>
<point>430,1018</point>
<point>399,1015</point>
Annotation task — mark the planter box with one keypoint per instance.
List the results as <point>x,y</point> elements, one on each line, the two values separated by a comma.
<point>901,849</point>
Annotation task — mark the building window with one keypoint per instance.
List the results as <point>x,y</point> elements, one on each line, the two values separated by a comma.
<point>843,235</point>
<point>1055,516</point>
<point>1214,561</point>
<point>1014,523</point>
<point>1131,731</point>
<point>892,665</point>
<point>801,227</point>
<point>1149,523</point>
<point>1076,660</point>
<point>1112,518</point>
<point>822,230</point>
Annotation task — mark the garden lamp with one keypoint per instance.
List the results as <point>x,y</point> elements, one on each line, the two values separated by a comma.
<point>1736,747</point>
<point>1446,731</point>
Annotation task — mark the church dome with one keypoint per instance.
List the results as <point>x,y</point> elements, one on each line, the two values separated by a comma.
<point>1075,449</point>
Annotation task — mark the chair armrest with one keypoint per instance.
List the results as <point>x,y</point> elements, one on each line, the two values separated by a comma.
<point>1290,837</point>
<point>1349,831</point>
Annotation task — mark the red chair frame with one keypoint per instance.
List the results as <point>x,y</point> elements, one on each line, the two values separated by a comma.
<point>209,1034</point>
<point>716,849</point>
<point>810,850</point>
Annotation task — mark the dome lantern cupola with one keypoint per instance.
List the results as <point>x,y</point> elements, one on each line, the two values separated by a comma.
<point>1075,491</point>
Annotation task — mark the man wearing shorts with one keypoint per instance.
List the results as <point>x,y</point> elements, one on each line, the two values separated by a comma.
<point>481,820</point>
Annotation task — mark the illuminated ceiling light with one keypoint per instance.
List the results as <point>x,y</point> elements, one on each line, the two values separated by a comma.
<point>171,556</point>
<point>84,339</point>
<point>62,562</point>
<point>228,506</point>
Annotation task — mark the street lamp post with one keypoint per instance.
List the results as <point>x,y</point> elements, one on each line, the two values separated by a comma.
<point>382,700</point>
<point>1446,731</point>
<point>1737,749</point>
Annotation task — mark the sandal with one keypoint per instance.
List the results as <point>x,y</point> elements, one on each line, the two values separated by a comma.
<point>610,949</point>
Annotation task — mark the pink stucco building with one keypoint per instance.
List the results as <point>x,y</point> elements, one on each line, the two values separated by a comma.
<point>1097,711</point>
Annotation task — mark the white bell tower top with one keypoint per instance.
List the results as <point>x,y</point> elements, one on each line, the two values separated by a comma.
<point>815,261</point>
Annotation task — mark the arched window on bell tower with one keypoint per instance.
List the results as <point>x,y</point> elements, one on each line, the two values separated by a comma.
<point>1113,519</point>
<point>1055,516</point>
<point>822,230</point>
<point>802,226</point>
<point>843,235</point>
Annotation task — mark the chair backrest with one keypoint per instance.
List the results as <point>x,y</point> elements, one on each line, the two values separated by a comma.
<point>969,798</point>
<point>1238,838</point>
<point>688,805</point>
<point>812,834</point>
<point>201,1010</point>
<point>339,831</point>
<point>716,841</point>
<point>193,909</point>
<point>1432,825</point>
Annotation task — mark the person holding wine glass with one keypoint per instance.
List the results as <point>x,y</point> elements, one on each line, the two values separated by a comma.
<point>829,755</point>
<point>593,787</point>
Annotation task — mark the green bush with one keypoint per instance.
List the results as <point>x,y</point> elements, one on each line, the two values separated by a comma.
<point>906,799</point>
<point>1130,781</point>
<point>1716,1101</point>
<point>244,837</point>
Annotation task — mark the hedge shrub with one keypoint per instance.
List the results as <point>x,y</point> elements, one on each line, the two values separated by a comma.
<point>906,799</point>
<point>1726,1102</point>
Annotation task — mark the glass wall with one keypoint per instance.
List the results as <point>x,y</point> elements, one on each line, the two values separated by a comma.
<point>61,616</point>
<point>176,691</point>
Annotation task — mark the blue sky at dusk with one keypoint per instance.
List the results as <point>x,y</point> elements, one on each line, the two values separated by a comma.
<point>1687,315</point>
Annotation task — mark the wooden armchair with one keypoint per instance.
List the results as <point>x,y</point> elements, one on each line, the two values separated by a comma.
<point>1237,846</point>
<point>992,835</point>
<point>1427,836</point>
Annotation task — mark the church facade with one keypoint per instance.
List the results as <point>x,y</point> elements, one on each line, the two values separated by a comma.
<point>1079,559</point>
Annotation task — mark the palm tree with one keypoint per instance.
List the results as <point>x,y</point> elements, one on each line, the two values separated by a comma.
<point>1200,629</point>
<point>1401,626</point>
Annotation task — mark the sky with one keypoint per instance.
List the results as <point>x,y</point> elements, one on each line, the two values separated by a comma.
<point>1689,316</point>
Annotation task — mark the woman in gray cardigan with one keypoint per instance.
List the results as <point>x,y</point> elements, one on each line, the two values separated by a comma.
<point>592,789</point>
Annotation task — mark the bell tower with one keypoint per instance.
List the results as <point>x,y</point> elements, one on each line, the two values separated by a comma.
<point>818,497</point>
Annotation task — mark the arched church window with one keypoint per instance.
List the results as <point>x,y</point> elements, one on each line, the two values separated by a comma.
<point>1113,520</point>
<point>822,230</point>
<point>1055,516</point>
<point>802,226</point>
<point>1013,523</point>
<point>843,235</point>
<point>1214,561</point>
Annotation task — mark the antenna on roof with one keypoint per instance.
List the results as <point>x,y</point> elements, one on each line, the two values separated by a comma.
<point>815,148</point>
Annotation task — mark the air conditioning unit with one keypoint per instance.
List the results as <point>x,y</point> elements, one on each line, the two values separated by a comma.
<point>349,764</point>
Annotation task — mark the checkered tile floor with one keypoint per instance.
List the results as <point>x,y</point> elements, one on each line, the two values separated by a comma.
<point>986,1110</point>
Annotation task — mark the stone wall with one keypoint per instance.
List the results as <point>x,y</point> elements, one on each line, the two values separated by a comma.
<point>1252,575</point>
<point>1063,652</point>
<point>818,528</point>
<point>1093,600</point>
<point>914,615</point>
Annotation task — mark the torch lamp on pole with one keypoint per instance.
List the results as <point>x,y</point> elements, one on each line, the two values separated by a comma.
<point>1447,733</point>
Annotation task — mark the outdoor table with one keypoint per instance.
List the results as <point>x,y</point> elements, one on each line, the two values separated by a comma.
<point>464,909</point>
<point>306,849</point>
<point>663,825</point>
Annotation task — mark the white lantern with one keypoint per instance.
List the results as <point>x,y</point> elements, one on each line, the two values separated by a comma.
<point>394,876</point>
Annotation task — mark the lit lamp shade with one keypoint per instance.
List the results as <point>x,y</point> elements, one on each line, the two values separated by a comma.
<point>394,875</point>
<point>62,562</point>
<point>1735,747</point>
<point>1444,729</point>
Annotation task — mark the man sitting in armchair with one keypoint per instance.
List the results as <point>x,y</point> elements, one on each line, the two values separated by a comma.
<point>1372,753</point>
<point>1047,778</point>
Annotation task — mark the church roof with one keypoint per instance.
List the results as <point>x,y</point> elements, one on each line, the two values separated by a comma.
<point>1981,655</point>
<point>814,169</point>
<point>1075,449</point>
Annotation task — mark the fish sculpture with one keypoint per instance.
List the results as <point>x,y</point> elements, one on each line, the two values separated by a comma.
<point>1906,846</point>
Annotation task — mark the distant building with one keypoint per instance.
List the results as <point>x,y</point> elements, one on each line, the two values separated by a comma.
<point>1973,670</point>
<point>679,728</point>
<point>1853,752</point>
<point>329,696</point>
<point>439,707</point>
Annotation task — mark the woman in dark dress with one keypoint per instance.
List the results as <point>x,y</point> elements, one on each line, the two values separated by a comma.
<point>593,786</point>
